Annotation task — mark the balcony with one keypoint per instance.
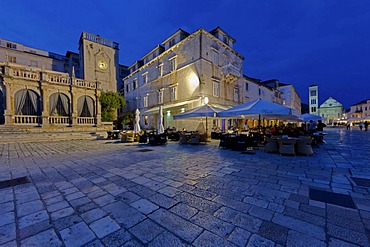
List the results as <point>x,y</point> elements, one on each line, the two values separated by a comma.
<point>230,72</point>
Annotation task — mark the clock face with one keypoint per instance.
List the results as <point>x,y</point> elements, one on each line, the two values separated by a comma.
<point>102,65</point>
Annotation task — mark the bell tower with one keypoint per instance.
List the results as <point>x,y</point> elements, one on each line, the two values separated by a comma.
<point>99,60</point>
<point>313,97</point>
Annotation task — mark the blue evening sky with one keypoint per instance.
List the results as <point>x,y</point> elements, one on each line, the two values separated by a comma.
<point>302,42</point>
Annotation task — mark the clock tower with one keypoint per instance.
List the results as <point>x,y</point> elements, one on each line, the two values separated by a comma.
<point>99,60</point>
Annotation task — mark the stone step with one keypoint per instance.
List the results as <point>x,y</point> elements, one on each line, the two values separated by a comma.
<point>59,136</point>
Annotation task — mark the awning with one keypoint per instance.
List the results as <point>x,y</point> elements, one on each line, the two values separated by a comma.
<point>167,106</point>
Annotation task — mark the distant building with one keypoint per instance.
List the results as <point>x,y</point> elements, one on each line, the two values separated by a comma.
<point>359,110</point>
<point>313,99</point>
<point>46,89</point>
<point>285,94</point>
<point>332,110</point>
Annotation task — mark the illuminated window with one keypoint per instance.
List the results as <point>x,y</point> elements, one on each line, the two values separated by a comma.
<point>146,103</point>
<point>12,59</point>
<point>173,64</point>
<point>173,93</point>
<point>236,94</point>
<point>160,97</point>
<point>216,89</point>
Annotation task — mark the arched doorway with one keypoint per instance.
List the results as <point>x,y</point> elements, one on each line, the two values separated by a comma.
<point>86,110</point>
<point>27,107</point>
<point>59,109</point>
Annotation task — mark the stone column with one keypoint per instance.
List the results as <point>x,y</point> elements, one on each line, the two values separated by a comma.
<point>45,104</point>
<point>73,107</point>
<point>9,106</point>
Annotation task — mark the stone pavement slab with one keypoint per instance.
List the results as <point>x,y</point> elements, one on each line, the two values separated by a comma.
<point>103,193</point>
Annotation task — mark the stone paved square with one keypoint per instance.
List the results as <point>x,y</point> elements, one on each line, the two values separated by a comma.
<point>100,193</point>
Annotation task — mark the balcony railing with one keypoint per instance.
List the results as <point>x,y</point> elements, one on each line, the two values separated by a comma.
<point>34,74</point>
<point>86,120</point>
<point>230,69</point>
<point>27,119</point>
<point>60,120</point>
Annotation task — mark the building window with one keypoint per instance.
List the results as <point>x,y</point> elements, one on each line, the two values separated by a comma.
<point>173,93</point>
<point>11,45</point>
<point>12,59</point>
<point>216,89</point>
<point>226,40</point>
<point>236,94</point>
<point>160,97</point>
<point>160,70</point>
<point>127,87</point>
<point>215,57</point>
<point>34,63</point>
<point>146,103</point>
<point>172,42</point>
<point>134,84</point>
<point>313,93</point>
<point>145,78</point>
<point>246,86</point>
<point>259,91</point>
<point>172,64</point>
<point>313,101</point>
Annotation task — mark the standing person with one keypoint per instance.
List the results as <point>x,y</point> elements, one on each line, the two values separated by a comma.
<point>320,125</point>
<point>312,127</point>
<point>361,125</point>
<point>366,124</point>
<point>348,125</point>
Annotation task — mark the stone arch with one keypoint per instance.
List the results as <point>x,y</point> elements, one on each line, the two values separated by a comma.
<point>27,102</point>
<point>85,106</point>
<point>59,104</point>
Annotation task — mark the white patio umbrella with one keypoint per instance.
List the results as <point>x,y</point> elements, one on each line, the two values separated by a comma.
<point>137,128</point>
<point>160,121</point>
<point>307,117</point>
<point>257,108</point>
<point>201,111</point>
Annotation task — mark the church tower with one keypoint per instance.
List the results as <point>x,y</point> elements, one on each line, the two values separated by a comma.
<point>99,60</point>
<point>313,97</point>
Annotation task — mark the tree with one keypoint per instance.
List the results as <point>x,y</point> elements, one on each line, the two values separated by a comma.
<point>110,102</point>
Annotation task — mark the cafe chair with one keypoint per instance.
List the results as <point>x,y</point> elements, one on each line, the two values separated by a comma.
<point>286,146</point>
<point>203,138</point>
<point>271,145</point>
<point>183,139</point>
<point>194,139</point>
<point>130,136</point>
<point>304,145</point>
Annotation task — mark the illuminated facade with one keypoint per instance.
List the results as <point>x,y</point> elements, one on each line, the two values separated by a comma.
<point>360,110</point>
<point>184,72</point>
<point>332,110</point>
<point>313,99</point>
<point>40,88</point>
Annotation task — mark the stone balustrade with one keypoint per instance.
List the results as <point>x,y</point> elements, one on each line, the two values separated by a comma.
<point>231,69</point>
<point>35,74</point>
<point>27,119</point>
<point>60,120</point>
<point>86,120</point>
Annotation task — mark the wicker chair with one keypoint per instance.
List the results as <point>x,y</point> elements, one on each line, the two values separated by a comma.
<point>271,145</point>
<point>304,145</point>
<point>286,146</point>
<point>130,136</point>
